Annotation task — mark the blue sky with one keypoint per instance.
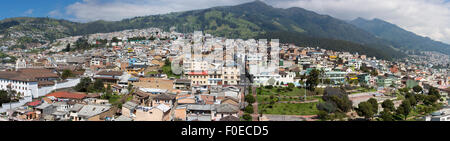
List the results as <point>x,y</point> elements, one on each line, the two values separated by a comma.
<point>32,8</point>
<point>429,18</point>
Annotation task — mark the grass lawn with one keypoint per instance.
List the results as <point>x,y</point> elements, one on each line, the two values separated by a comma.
<point>114,99</point>
<point>288,108</point>
<point>295,92</point>
<point>152,72</point>
<point>415,114</point>
<point>167,69</point>
<point>291,109</point>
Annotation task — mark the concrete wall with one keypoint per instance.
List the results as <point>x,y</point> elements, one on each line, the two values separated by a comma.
<point>6,106</point>
<point>46,90</point>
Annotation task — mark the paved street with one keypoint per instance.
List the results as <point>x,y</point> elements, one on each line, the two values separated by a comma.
<point>255,106</point>
<point>289,117</point>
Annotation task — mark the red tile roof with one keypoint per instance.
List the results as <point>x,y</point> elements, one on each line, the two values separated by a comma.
<point>34,103</point>
<point>68,95</point>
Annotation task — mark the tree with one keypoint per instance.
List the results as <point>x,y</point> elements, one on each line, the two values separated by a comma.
<point>422,109</point>
<point>250,99</point>
<point>247,117</point>
<point>98,86</point>
<point>313,79</point>
<point>83,85</point>
<point>11,93</point>
<point>4,97</point>
<point>167,62</point>
<point>343,103</point>
<point>82,43</point>
<point>420,97</point>
<point>327,107</point>
<point>434,91</point>
<point>417,89</point>
<point>365,109</point>
<point>108,89</point>
<point>66,74</point>
<point>106,96</point>
<point>412,99</point>
<point>249,109</point>
<point>430,99</point>
<point>404,108</point>
<point>386,115</point>
<point>374,104</point>
<point>388,105</point>
<point>323,115</point>
<point>403,90</point>
<point>67,49</point>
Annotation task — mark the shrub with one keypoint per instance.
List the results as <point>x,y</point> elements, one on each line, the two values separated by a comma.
<point>250,99</point>
<point>323,115</point>
<point>247,117</point>
<point>249,109</point>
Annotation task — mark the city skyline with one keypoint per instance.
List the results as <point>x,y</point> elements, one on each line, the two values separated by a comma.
<point>425,18</point>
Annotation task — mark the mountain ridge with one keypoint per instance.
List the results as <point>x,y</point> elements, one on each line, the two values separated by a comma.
<point>248,20</point>
<point>399,37</point>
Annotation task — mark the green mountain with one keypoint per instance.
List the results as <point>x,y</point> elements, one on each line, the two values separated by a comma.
<point>331,44</point>
<point>399,37</point>
<point>249,20</point>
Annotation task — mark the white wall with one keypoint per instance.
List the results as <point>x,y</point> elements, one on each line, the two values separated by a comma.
<point>38,92</point>
<point>6,106</point>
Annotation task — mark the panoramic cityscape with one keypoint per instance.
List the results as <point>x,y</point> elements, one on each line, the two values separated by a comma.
<point>247,61</point>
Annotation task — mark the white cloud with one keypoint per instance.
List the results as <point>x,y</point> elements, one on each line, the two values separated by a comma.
<point>429,18</point>
<point>28,12</point>
<point>424,17</point>
<point>113,10</point>
<point>55,13</point>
